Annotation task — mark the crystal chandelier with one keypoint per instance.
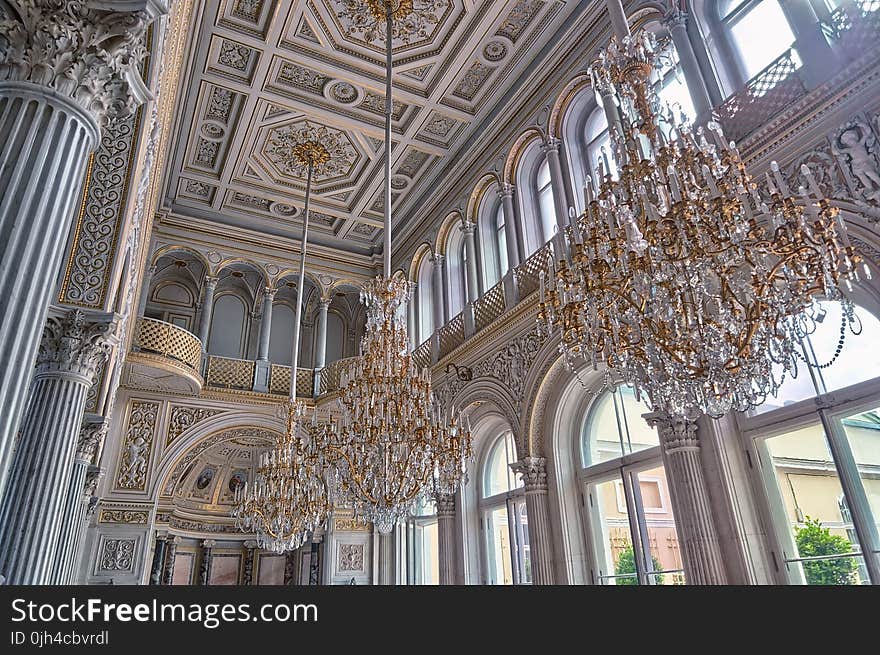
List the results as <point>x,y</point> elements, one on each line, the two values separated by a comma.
<point>683,276</point>
<point>392,444</point>
<point>290,497</point>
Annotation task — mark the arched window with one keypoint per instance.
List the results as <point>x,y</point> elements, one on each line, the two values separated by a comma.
<point>456,272</point>
<point>818,466</point>
<point>501,241</point>
<point>505,522</point>
<point>463,275</point>
<point>758,30</point>
<point>281,334</point>
<point>598,146</point>
<point>422,545</point>
<point>228,327</point>
<point>492,239</point>
<point>424,299</point>
<point>546,208</point>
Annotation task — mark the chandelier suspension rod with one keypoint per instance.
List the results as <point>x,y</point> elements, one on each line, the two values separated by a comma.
<point>619,23</point>
<point>389,25</point>
<point>301,284</point>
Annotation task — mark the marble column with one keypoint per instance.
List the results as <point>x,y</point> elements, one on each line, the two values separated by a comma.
<point>158,559</point>
<point>533,471</point>
<point>691,506</point>
<point>412,317</point>
<point>73,346</point>
<point>321,342</point>
<point>145,290</point>
<point>820,59</point>
<point>207,310</point>
<point>170,555</point>
<point>61,74</point>
<point>266,324</point>
<point>205,561</point>
<point>470,246</point>
<point>291,567</point>
<point>515,245</point>
<point>437,294</point>
<point>250,555</point>
<point>676,22</point>
<point>315,558</point>
<point>446,537</point>
<point>91,436</point>
<point>551,147</point>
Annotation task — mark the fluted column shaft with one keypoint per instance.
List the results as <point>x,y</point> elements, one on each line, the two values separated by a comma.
<point>75,505</point>
<point>315,558</point>
<point>207,310</point>
<point>515,245</point>
<point>33,504</point>
<point>533,471</point>
<point>437,292</point>
<point>676,22</point>
<point>446,537</point>
<point>557,182</point>
<point>697,535</point>
<point>44,142</point>
<point>62,73</point>
<point>470,248</point>
<point>88,505</point>
<point>266,324</point>
<point>321,345</point>
<point>170,555</point>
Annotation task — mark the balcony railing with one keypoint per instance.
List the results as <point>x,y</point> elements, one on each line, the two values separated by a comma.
<point>451,335</point>
<point>229,373</point>
<point>767,94</point>
<point>161,338</point>
<point>854,28</point>
<point>279,381</point>
<point>528,273</point>
<point>489,306</point>
<point>330,375</point>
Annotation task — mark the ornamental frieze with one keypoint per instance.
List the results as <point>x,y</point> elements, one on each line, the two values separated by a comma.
<point>137,517</point>
<point>137,446</point>
<point>184,417</point>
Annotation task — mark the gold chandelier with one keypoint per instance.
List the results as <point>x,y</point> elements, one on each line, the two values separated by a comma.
<point>290,497</point>
<point>682,275</point>
<point>392,444</point>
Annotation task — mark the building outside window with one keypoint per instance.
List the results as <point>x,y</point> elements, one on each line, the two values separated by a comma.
<point>626,496</point>
<point>758,31</point>
<point>504,519</point>
<point>818,450</point>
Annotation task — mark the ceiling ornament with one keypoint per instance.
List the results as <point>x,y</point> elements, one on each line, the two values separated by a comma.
<point>414,20</point>
<point>685,276</point>
<point>285,147</point>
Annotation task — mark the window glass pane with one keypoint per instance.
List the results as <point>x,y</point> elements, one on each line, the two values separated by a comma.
<point>548,212</point>
<point>863,435</point>
<point>524,551</point>
<point>498,547</point>
<point>613,540</point>
<point>673,92</point>
<point>818,527</point>
<point>430,560</point>
<point>664,565</point>
<point>594,156</point>
<point>859,359</point>
<point>596,124</point>
<point>727,7</point>
<point>761,35</point>
<point>501,242</point>
<point>499,477</point>
<point>615,427</point>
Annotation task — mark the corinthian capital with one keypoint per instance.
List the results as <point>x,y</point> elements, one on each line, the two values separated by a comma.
<point>533,471</point>
<point>676,434</point>
<point>445,504</point>
<point>77,343</point>
<point>86,50</point>
<point>91,436</point>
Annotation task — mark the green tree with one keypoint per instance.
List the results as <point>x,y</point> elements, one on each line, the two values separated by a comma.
<point>812,539</point>
<point>626,563</point>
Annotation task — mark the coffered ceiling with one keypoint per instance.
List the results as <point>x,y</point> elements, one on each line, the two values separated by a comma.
<point>261,70</point>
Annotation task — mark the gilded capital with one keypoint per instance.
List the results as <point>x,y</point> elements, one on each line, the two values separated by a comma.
<point>87,51</point>
<point>76,343</point>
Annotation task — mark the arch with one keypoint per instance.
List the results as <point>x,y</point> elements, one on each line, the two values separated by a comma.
<point>493,391</point>
<point>165,283</point>
<point>424,250</point>
<point>475,199</point>
<point>228,263</point>
<point>446,230</point>
<point>522,142</point>
<point>290,272</point>
<point>338,285</point>
<point>204,432</point>
<point>170,249</point>
<point>560,107</point>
